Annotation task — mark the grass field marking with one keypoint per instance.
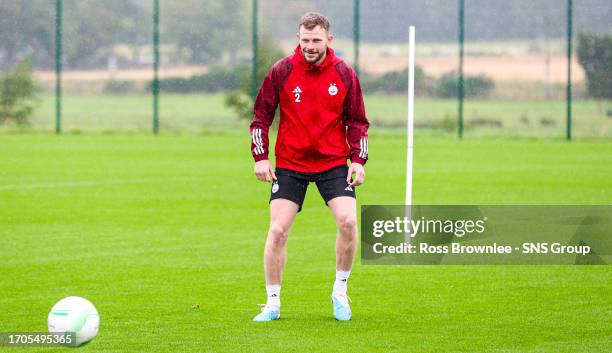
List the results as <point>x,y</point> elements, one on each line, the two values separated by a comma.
<point>80,183</point>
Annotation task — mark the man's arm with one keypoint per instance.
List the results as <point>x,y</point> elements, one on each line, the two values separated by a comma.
<point>354,116</point>
<point>263,114</point>
<point>356,122</point>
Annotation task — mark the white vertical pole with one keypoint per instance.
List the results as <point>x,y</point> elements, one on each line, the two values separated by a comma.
<point>410,127</point>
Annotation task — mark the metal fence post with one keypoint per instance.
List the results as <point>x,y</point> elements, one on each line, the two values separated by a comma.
<point>255,49</point>
<point>461,82</point>
<point>156,67</point>
<point>356,33</point>
<point>58,66</point>
<point>568,131</point>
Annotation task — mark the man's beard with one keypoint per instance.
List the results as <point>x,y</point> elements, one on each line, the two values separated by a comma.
<point>316,58</point>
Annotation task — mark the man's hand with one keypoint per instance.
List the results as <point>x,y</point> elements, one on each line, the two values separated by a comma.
<point>357,169</point>
<point>264,171</point>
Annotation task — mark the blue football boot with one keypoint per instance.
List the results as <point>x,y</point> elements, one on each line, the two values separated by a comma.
<point>268,313</point>
<point>342,309</point>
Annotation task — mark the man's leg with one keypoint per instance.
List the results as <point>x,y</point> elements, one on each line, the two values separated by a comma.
<point>344,209</point>
<point>282,214</point>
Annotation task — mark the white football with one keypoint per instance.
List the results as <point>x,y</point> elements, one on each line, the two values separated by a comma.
<point>74,314</point>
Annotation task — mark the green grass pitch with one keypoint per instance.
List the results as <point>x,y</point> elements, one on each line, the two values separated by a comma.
<point>147,227</point>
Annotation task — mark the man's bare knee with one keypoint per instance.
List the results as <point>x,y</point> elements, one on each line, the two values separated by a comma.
<point>347,226</point>
<point>278,234</point>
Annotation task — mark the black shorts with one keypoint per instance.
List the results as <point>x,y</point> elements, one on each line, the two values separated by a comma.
<point>291,185</point>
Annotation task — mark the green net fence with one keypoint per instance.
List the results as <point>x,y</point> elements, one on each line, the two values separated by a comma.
<point>514,72</point>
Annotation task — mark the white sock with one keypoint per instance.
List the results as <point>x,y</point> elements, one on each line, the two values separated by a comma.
<point>341,279</point>
<point>273,291</point>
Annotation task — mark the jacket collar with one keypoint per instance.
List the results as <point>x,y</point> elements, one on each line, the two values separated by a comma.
<point>299,58</point>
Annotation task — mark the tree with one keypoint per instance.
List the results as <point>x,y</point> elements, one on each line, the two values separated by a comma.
<point>27,28</point>
<point>202,30</point>
<point>92,28</point>
<point>595,56</point>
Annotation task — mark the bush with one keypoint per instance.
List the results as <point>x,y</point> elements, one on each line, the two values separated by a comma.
<point>241,103</point>
<point>216,80</point>
<point>445,86</point>
<point>120,87</point>
<point>474,86</point>
<point>595,56</point>
<point>396,82</point>
<point>17,94</point>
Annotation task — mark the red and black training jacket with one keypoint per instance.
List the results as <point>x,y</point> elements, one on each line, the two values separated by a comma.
<point>322,115</point>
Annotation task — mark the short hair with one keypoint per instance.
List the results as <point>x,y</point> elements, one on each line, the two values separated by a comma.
<point>312,19</point>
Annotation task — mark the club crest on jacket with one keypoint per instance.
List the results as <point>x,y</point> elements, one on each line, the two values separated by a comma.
<point>332,90</point>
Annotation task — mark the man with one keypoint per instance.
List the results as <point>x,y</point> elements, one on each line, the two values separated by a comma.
<point>322,123</point>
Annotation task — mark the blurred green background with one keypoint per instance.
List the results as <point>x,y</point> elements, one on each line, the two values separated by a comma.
<point>515,63</point>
